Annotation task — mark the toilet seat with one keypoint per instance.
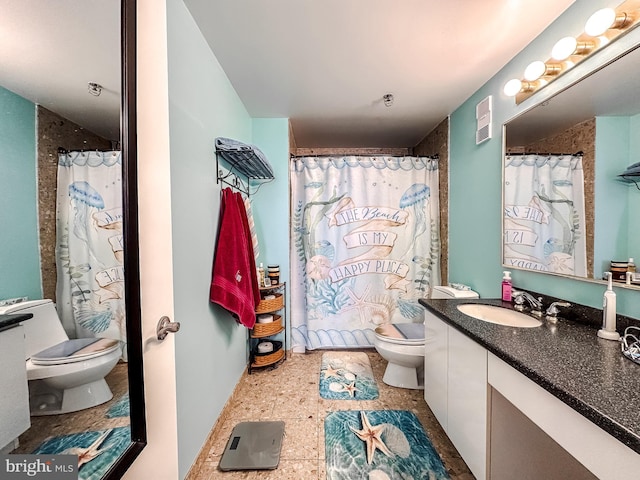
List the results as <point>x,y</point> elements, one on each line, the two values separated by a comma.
<point>75,350</point>
<point>401,333</point>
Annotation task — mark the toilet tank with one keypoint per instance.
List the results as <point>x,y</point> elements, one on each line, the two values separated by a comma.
<point>41,331</point>
<point>443,292</point>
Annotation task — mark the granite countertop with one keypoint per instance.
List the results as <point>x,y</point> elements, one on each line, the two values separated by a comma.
<point>9,320</point>
<point>567,359</point>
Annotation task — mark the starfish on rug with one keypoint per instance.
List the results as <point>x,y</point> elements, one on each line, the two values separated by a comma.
<point>85,455</point>
<point>351,388</point>
<point>331,372</point>
<point>371,435</point>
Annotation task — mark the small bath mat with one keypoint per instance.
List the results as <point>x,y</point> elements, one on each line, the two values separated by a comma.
<point>96,450</point>
<point>119,408</point>
<point>347,376</point>
<point>380,445</point>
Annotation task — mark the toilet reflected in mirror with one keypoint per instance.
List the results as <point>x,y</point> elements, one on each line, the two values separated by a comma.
<point>65,375</point>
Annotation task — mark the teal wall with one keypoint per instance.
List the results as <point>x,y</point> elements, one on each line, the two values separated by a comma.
<point>19,248</point>
<point>211,349</point>
<point>476,173</point>
<point>270,205</point>
<point>633,199</point>
<point>612,207</point>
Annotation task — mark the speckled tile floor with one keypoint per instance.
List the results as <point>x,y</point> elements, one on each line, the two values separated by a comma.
<point>290,393</point>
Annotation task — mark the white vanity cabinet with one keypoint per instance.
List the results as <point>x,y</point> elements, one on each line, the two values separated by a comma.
<point>455,388</point>
<point>521,426</point>
<point>599,452</point>
<point>436,341</point>
<point>14,399</point>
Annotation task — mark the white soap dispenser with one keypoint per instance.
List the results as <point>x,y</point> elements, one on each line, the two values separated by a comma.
<point>608,330</point>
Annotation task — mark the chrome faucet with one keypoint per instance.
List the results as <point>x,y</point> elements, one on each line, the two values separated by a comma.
<point>552,312</point>
<point>519,298</point>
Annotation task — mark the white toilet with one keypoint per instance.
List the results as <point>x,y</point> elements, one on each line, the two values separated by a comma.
<point>64,375</point>
<point>402,345</point>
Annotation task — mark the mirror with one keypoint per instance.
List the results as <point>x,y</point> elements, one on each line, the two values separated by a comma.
<point>599,119</point>
<point>51,53</point>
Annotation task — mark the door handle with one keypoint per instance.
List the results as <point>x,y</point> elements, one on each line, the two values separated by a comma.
<point>165,325</point>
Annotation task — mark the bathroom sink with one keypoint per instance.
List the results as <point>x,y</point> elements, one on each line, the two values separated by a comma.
<point>498,315</point>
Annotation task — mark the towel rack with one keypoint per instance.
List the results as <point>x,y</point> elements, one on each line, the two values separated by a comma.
<point>231,178</point>
<point>240,166</point>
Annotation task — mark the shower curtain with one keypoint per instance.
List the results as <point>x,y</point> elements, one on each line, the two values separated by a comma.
<point>544,213</point>
<point>89,245</point>
<point>366,246</point>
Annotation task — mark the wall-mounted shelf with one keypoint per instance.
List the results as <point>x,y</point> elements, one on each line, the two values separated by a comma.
<point>245,163</point>
<point>630,178</point>
<point>265,331</point>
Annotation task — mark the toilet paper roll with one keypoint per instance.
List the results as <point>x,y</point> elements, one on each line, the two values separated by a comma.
<point>265,347</point>
<point>270,297</point>
<point>265,318</point>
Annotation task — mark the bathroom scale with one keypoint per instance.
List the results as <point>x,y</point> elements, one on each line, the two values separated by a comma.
<point>253,446</point>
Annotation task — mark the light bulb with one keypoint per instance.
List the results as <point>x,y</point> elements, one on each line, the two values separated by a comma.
<point>564,48</point>
<point>600,22</point>
<point>512,87</point>
<point>535,70</point>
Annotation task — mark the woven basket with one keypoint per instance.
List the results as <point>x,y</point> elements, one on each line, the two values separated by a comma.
<point>266,329</point>
<point>264,359</point>
<point>271,305</point>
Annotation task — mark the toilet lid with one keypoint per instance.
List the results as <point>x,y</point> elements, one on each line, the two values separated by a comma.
<point>408,333</point>
<point>74,351</point>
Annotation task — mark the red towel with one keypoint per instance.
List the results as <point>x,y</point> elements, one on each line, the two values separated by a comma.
<point>234,285</point>
<point>250,252</point>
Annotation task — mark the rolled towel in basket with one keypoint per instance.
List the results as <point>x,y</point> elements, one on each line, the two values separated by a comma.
<point>265,318</point>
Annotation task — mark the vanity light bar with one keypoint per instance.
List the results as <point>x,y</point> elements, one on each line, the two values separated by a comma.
<point>602,27</point>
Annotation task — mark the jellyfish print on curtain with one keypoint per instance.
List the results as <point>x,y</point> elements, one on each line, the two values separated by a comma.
<point>366,242</point>
<point>89,245</point>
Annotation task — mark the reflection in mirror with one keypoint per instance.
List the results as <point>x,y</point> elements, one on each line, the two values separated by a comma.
<point>66,189</point>
<point>571,151</point>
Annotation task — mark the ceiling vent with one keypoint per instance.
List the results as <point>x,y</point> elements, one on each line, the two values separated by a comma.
<point>483,120</point>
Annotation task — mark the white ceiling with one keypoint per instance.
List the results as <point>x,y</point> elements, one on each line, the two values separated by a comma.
<point>325,64</point>
<point>51,49</point>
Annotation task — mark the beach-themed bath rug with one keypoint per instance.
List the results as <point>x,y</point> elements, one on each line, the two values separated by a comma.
<point>119,408</point>
<point>379,445</point>
<point>96,450</point>
<point>347,376</point>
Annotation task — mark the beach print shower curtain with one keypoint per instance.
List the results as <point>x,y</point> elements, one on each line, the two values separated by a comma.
<point>544,213</point>
<point>365,246</point>
<point>89,245</point>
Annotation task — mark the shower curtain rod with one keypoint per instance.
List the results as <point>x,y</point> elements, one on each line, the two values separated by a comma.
<point>435,156</point>
<point>62,150</point>
<point>547,154</point>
